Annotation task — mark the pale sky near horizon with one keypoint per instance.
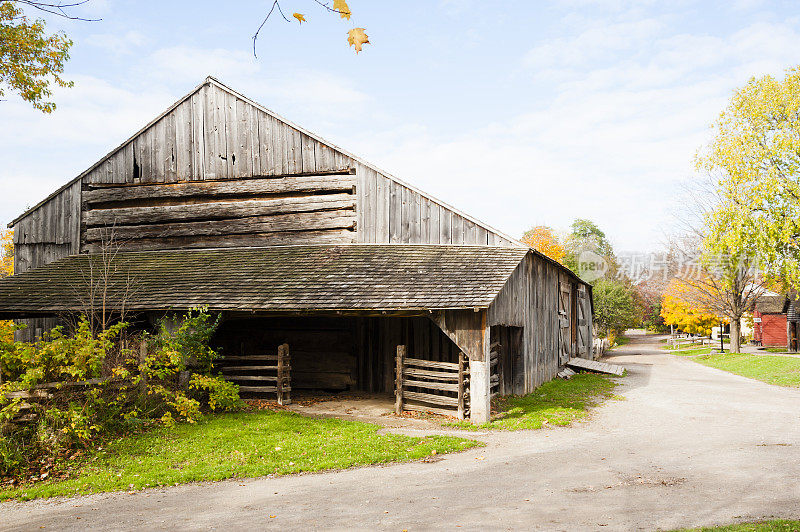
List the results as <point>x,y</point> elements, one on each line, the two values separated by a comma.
<point>517,112</point>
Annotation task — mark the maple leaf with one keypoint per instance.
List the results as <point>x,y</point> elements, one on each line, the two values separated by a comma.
<point>300,17</point>
<point>356,37</point>
<point>342,7</point>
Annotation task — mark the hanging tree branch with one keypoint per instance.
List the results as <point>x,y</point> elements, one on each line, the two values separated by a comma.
<point>57,8</point>
<point>356,37</point>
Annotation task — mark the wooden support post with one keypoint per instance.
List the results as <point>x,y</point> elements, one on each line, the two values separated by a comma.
<point>284,378</point>
<point>480,407</point>
<point>462,362</point>
<point>398,383</point>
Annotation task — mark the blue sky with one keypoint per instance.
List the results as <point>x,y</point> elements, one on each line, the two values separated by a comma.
<point>517,112</point>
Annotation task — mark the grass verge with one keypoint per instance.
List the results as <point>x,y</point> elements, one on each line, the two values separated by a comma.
<point>558,402</point>
<point>248,444</point>
<point>779,525</point>
<point>782,371</point>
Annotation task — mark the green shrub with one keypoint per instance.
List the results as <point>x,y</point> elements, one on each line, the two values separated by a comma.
<point>173,383</point>
<point>219,394</point>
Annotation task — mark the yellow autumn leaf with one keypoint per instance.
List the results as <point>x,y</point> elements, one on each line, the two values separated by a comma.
<point>300,17</point>
<point>342,7</point>
<point>356,37</point>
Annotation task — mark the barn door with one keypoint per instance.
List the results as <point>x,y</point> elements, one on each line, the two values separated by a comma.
<point>583,330</point>
<point>564,314</point>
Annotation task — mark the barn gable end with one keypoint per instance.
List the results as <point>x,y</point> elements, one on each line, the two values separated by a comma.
<point>216,158</point>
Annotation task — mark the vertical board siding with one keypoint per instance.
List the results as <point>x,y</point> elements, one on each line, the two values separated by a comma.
<point>529,299</point>
<point>57,221</point>
<point>214,134</point>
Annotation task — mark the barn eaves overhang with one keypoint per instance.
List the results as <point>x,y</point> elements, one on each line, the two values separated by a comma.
<point>290,279</point>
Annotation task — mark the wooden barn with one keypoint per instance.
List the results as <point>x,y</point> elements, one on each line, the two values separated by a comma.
<point>359,279</point>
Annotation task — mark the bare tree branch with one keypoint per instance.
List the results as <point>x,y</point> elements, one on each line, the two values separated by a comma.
<point>57,8</point>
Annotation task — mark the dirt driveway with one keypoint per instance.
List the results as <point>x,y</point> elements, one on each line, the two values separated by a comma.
<point>688,445</point>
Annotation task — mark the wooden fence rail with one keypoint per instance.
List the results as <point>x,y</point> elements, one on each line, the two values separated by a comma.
<point>430,386</point>
<point>262,374</point>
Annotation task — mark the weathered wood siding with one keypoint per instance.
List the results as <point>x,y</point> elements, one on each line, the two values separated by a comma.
<point>242,212</point>
<point>395,213</point>
<point>148,187</point>
<point>529,299</point>
<point>50,232</point>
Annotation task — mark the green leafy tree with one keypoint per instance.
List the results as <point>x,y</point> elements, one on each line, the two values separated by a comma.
<point>751,236</point>
<point>614,307</point>
<point>755,158</point>
<point>30,60</point>
<point>585,235</point>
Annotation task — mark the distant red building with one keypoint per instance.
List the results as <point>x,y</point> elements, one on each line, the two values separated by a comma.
<point>770,321</point>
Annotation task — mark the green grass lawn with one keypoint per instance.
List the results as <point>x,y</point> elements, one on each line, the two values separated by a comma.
<point>783,371</point>
<point>248,444</point>
<point>558,402</point>
<point>779,525</point>
<point>775,350</point>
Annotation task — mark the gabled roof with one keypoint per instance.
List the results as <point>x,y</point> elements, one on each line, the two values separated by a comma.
<point>383,277</point>
<point>213,82</point>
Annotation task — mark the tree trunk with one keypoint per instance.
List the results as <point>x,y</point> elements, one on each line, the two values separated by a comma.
<point>735,335</point>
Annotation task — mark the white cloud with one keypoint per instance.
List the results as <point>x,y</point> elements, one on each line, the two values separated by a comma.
<point>615,142</point>
<point>192,63</point>
<point>592,44</point>
<point>118,43</point>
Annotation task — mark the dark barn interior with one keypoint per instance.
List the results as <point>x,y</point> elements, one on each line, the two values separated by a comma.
<point>336,353</point>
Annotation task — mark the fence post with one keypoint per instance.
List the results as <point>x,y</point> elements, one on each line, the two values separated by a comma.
<point>398,383</point>
<point>284,397</point>
<point>461,372</point>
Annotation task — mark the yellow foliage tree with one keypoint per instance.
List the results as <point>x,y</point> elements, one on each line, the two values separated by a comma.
<point>545,240</point>
<point>7,253</point>
<point>679,307</point>
<point>6,269</point>
<point>30,60</point>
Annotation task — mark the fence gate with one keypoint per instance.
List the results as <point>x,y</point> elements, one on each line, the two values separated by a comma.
<point>428,386</point>
<point>564,316</point>
<point>262,374</point>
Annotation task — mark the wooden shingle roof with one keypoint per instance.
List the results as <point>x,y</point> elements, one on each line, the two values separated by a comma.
<point>771,304</point>
<point>284,278</point>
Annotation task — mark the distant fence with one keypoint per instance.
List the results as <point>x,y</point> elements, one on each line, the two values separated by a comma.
<point>685,340</point>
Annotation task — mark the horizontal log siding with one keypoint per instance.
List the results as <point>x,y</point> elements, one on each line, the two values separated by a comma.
<point>247,212</point>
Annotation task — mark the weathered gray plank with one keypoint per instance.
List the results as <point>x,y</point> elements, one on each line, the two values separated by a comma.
<point>395,212</point>
<point>430,398</point>
<point>445,229</point>
<point>381,209</point>
<point>339,219</point>
<point>342,236</point>
<point>453,366</point>
<point>223,209</point>
<point>231,125</point>
<point>308,155</point>
<point>286,184</point>
<point>441,386</point>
